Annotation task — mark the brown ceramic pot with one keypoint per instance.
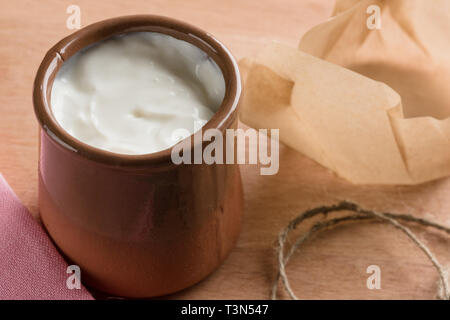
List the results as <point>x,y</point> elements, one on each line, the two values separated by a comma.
<point>137,225</point>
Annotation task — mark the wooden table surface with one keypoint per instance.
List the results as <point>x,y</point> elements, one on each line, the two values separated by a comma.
<point>333,264</point>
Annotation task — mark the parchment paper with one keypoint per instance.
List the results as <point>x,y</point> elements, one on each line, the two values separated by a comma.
<point>358,127</point>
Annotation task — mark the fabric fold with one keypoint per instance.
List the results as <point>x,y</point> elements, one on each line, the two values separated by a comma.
<point>30,266</point>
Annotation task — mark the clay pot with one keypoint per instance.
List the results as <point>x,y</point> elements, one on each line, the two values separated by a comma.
<point>137,225</point>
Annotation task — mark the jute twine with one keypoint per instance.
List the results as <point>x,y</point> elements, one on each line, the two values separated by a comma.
<point>358,214</point>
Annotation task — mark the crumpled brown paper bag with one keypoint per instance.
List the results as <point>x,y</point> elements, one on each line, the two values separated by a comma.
<point>357,127</point>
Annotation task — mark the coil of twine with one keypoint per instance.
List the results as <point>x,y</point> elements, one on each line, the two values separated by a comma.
<point>358,214</point>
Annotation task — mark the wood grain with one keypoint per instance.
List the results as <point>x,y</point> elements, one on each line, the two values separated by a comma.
<point>333,265</point>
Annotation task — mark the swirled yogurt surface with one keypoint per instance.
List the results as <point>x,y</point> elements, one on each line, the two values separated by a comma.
<point>130,93</point>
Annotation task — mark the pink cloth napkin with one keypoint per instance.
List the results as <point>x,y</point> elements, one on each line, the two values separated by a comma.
<point>30,265</point>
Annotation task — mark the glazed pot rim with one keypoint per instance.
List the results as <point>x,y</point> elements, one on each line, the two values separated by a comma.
<point>96,32</point>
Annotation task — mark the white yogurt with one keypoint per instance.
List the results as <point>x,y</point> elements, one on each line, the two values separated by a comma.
<point>129,94</point>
